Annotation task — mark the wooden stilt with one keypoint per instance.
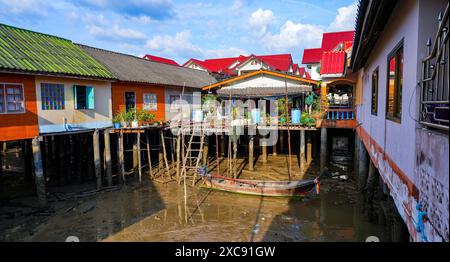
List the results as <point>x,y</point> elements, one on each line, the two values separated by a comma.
<point>205,151</point>
<point>264,151</point>
<point>60,160</point>
<point>4,147</point>
<point>138,145</point>
<point>90,158</point>
<point>250,153</point>
<point>39,173</point>
<point>302,152</point>
<point>235,149</point>
<point>97,162</point>
<point>108,158</point>
<point>309,147</point>
<point>217,155</point>
<point>135,157</point>
<point>281,142</point>
<point>323,149</point>
<point>149,156</point>
<point>163,143</point>
<point>222,146</point>
<point>178,155</point>
<point>27,157</point>
<point>121,157</point>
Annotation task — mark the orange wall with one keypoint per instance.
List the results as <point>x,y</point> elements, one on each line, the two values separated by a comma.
<point>24,125</point>
<point>118,97</point>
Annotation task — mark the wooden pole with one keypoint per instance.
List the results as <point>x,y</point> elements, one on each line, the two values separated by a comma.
<point>264,151</point>
<point>149,156</point>
<point>323,149</point>
<point>217,155</point>
<point>108,158</point>
<point>135,157</point>
<point>27,156</point>
<point>138,145</point>
<point>97,162</point>
<point>308,147</point>
<point>163,143</point>
<point>288,130</point>
<point>205,151</point>
<point>235,149</point>
<point>281,141</point>
<point>222,146</point>
<point>250,153</point>
<point>39,173</point>
<point>302,152</point>
<point>4,147</point>
<point>178,155</point>
<point>121,157</point>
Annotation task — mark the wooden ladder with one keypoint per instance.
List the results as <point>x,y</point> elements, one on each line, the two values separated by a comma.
<point>191,162</point>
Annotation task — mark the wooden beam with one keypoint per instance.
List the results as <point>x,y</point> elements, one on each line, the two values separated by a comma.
<point>149,156</point>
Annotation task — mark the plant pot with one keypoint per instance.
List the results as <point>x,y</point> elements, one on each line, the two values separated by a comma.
<point>135,124</point>
<point>116,125</point>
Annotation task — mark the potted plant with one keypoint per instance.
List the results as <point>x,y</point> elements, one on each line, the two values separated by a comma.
<point>118,119</point>
<point>145,118</point>
<point>130,118</point>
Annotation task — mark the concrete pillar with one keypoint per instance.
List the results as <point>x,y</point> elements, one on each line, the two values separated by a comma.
<point>38,172</point>
<point>108,164</point>
<point>323,149</point>
<point>309,147</point>
<point>302,152</point>
<point>97,161</point>
<point>250,153</point>
<point>363,166</point>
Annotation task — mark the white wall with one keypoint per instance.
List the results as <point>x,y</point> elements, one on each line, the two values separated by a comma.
<point>53,120</point>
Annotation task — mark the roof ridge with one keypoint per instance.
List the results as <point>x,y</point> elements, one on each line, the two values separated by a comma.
<point>34,32</point>
<point>133,56</point>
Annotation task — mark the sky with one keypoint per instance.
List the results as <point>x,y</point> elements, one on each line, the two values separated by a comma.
<point>181,30</point>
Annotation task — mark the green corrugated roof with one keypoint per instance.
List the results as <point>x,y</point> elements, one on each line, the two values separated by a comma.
<point>30,51</point>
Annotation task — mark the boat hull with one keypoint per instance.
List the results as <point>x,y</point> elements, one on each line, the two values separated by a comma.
<point>260,187</point>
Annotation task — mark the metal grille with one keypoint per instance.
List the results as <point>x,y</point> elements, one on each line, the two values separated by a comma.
<point>435,79</point>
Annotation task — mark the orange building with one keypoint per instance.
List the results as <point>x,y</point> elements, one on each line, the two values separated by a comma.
<point>18,111</point>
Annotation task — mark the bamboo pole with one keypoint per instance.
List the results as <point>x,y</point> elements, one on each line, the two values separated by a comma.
<point>163,143</point>
<point>250,153</point>
<point>149,156</point>
<point>302,152</point>
<point>138,145</point>
<point>288,128</point>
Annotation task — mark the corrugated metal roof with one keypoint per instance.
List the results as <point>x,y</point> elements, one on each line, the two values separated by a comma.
<point>135,69</point>
<point>333,63</point>
<point>312,55</point>
<point>28,51</point>
<point>161,60</point>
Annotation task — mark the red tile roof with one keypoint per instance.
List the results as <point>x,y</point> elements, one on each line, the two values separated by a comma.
<point>333,63</point>
<point>331,40</point>
<point>161,60</point>
<point>312,55</point>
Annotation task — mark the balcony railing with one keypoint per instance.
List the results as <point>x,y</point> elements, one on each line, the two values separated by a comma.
<point>434,106</point>
<point>340,114</point>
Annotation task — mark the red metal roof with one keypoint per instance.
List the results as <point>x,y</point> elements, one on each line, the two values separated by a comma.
<point>294,68</point>
<point>278,62</point>
<point>303,71</point>
<point>312,55</point>
<point>331,40</point>
<point>333,63</point>
<point>161,60</point>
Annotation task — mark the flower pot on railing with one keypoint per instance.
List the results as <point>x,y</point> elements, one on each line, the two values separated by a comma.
<point>116,125</point>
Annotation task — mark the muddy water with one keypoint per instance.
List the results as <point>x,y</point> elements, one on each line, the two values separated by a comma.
<point>156,212</point>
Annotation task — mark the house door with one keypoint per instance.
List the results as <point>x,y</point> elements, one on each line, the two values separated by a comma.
<point>130,100</point>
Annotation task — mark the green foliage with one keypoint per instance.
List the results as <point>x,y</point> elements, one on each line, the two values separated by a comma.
<point>119,117</point>
<point>145,116</point>
<point>308,120</point>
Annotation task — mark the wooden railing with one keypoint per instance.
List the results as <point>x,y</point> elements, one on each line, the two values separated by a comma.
<point>340,114</point>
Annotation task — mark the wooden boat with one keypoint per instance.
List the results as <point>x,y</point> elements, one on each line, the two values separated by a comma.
<point>294,188</point>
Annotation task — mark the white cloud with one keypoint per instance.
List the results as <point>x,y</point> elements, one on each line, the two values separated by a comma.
<point>261,19</point>
<point>115,33</point>
<point>293,35</point>
<point>180,44</point>
<point>237,6</point>
<point>345,19</point>
<point>25,7</point>
<point>225,52</point>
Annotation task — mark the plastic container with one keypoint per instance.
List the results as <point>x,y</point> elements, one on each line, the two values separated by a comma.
<point>256,115</point>
<point>197,115</point>
<point>296,116</point>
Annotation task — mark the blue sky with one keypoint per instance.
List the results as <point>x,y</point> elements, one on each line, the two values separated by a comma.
<point>184,29</point>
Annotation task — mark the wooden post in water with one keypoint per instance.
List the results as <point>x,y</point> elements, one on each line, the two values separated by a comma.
<point>309,147</point>
<point>323,149</point>
<point>281,141</point>
<point>135,156</point>
<point>108,158</point>
<point>205,151</point>
<point>38,172</point>
<point>302,152</point>
<point>274,147</point>
<point>138,149</point>
<point>149,156</point>
<point>222,146</point>
<point>121,157</point>
<point>251,144</point>
<point>163,143</point>
<point>27,156</point>
<point>264,151</point>
<point>97,162</point>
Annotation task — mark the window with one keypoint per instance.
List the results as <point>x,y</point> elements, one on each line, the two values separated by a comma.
<point>395,83</point>
<point>150,102</point>
<point>52,96</point>
<point>11,98</point>
<point>375,92</point>
<point>84,97</point>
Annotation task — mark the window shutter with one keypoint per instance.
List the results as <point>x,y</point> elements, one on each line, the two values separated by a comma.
<point>75,96</point>
<point>90,99</point>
